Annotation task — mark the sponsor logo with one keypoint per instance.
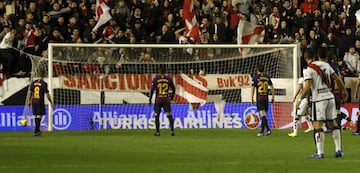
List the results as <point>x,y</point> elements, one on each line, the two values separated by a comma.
<point>251,118</point>
<point>61,119</point>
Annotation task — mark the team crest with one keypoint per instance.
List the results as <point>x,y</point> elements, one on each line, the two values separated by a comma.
<point>251,118</point>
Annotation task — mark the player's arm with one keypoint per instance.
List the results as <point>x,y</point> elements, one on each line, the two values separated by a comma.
<point>252,94</point>
<point>153,83</point>
<point>172,86</point>
<point>298,89</point>
<point>49,99</point>
<point>357,87</point>
<point>272,93</point>
<point>305,92</point>
<point>341,85</point>
<point>29,97</point>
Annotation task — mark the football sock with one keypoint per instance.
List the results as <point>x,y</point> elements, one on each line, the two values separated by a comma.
<point>37,125</point>
<point>336,134</point>
<point>265,123</point>
<point>296,125</point>
<point>157,123</point>
<point>171,120</point>
<point>338,119</point>
<point>309,123</point>
<point>319,139</point>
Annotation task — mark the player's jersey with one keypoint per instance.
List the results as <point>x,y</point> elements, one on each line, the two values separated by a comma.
<point>261,82</point>
<point>38,89</point>
<point>164,89</point>
<point>320,74</point>
<point>336,90</point>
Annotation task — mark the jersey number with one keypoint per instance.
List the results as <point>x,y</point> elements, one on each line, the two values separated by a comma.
<point>163,88</point>
<point>263,87</point>
<point>37,92</point>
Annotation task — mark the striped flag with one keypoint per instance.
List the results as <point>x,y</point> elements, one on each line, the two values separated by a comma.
<point>191,24</point>
<point>249,33</point>
<point>190,91</point>
<point>102,14</point>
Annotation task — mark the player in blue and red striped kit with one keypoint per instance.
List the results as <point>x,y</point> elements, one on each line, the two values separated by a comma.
<point>260,82</point>
<point>36,94</point>
<point>164,89</point>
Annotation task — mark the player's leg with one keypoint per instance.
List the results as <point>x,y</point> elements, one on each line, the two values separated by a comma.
<point>318,117</point>
<point>301,111</point>
<point>38,111</point>
<point>357,132</point>
<point>331,116</point>
<point>157,110</point>
<point>295,126</point>
<point>37,131</point>
<point>167,109</point>
<point>263,107</point>
<point>309,124</point>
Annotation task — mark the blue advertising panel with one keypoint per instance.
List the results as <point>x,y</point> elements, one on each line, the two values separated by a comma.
<point>135,116</point>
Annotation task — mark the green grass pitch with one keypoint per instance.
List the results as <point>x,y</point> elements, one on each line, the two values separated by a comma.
<point>191,150</point>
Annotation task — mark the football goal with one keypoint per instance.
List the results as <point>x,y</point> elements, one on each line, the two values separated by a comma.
<point>106,86</point>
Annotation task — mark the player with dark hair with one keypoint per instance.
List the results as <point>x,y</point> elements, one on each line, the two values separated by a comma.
<point>323,55</point>
<point>317,81</point>
<point>357,132</point>
<point>164,92</point>
<point>35,97</point>
<point>261,81</point>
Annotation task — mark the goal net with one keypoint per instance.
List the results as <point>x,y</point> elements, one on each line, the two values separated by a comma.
<point>106,86</point>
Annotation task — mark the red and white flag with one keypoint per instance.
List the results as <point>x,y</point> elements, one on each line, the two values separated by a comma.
<point>191,24</point>
<point>249,33</point>
<point>190,91</point>
<point>102,14</point>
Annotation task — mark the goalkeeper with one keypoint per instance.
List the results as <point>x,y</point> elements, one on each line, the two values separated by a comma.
<point>164,92</point>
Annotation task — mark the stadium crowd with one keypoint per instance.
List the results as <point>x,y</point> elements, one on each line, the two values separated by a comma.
<point>27,26</point>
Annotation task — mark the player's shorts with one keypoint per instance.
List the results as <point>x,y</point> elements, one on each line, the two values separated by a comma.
<point>262,104</point>
<point>164,105</point>
<point>38,109</point>
<point>303,108</point>
<point>323,110</point>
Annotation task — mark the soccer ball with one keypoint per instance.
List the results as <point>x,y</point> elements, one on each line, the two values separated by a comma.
<point>24,122</point>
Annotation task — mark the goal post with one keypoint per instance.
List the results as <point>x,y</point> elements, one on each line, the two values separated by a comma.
<point>100,75</point>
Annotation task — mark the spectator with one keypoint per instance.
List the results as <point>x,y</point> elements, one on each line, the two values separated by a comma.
<point>351,59</point>
<point>62,27</point>
<point>258,16</point>
<point>34,11</point>
<point>29,48</point>
<point>284,31</point>
<point>219,29</point>
<point>6,55</point>
<point>274,22</point>
<point>288,12</point>
<point>235,16</point>
<point>56,36</point>
<point>298,20</point>
<point>309,6</point>
<point>166,35</point>
<point>45,23</point>
<point>217,11</point>
<point>347,41</point>
<point>41,40</point>
<point>122,11</point>
<point>139,32</point>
